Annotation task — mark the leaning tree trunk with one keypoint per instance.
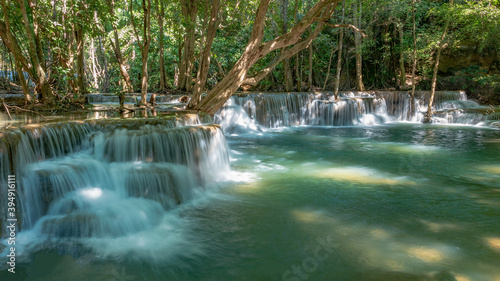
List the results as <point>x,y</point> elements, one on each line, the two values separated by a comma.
<point>11,42</point>
<point>121,63</point>
<point>329,67</point>
<point>256,49</point>
<point>428,115</point>
<point>22,80</point>
<point>42,82</point>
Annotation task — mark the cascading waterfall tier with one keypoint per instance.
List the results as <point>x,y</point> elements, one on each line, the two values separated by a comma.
<point>351,108</point>
<point>109,178</point>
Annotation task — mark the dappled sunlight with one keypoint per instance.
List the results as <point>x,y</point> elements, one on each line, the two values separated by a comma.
<point>493,169</point>
<point>249,188</point>
<point>429,255</point>
<point>368,243</point>
<point>462,278</point>
<point>493,243</point>
<point>439,227</point>
<point>308,216</point>
<point>362,175</point>
<point>380,233</point>
<point>411,149</point>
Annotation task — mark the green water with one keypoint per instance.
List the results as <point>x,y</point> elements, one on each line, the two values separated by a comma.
<point>393,202</point>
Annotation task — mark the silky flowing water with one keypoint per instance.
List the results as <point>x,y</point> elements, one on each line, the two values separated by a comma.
<point>393,201</point>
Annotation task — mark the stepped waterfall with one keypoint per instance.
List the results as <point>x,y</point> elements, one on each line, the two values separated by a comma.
<point>159,193</point>
<point>352,108</point>
<point>107,178</point>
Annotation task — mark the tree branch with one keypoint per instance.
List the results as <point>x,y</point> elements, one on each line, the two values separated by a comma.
<point>134,25</point>
<point>347,25</point>
<point>254,79</point>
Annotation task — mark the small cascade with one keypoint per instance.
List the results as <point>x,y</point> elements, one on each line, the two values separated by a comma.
<point>353,108</point>
<point>347,112</point>
<point>109,178</point>
<point>79,196</point>
<point>202,148</point>
<point>316,109</point>
<point>233,119</point>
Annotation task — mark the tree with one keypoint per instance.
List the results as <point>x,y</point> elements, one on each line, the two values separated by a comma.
<point>441,45</point>
<point>287,71</point>
<point>190,12</point>
<point>11,43</point>
<point>257,49</point>
<point>160,9</point>
<point>79,31</point>
<point>357,41</point>
<point>202,74</point>
<point>144,44</point>
<point>115,45</point>
<point>36,67</point>
<point>339,58</point>
<point>414,62</point>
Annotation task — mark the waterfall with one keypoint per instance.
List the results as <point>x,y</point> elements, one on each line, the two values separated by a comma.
<point>108,178</point>
<point>352,108</point>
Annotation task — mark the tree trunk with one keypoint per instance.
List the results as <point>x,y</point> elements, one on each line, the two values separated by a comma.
<point>102,53</point>
<point>428,115</point>
<point>329,67</point>
<point>42,82</point>
<point>402,78</point>
<point>118,54</point>
<point>310,73</point>
<point>80,59</point>
<point>22,81</point>
<point>144,45</point>
<point>123,69</point>
<point>414,66</point>
<point>12,44</point>
<point>298,76</point>
<point>145,49</point>
<point>145,77</point>
<point>202,75</point>
<point>93,69</point>
<point>357,42</point>
<point>339,57</point>
<point>256,49</point>
<point>189,9</point>
<point>163,75</point>
<point>287,71</point>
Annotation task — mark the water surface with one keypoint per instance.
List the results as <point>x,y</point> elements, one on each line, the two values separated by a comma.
<point>391,202</point>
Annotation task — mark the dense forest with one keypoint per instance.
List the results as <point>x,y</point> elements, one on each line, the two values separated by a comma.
<point>67,48</point>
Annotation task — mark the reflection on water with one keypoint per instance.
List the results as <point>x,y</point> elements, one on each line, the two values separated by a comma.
<point>393,202</point>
